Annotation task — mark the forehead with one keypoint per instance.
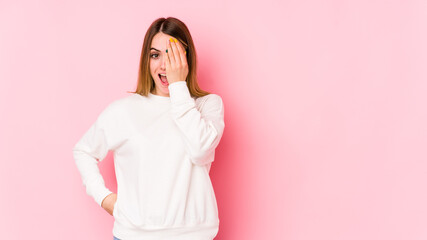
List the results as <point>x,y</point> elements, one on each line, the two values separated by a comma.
<point>160,40</point>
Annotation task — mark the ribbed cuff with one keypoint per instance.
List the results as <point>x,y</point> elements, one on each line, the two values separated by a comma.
<point>178,92</point>
<point>100,195</point>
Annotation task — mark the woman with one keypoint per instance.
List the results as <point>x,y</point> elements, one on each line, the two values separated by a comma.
<point>164,137</point>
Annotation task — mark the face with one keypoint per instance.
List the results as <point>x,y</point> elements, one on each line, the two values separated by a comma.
<point>157,63</point>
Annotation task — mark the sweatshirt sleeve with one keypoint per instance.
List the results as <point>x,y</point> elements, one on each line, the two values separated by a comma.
<point>202,130</point>
<point>91,148</point>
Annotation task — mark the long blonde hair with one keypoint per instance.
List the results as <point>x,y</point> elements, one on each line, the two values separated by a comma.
<point>177,29</point>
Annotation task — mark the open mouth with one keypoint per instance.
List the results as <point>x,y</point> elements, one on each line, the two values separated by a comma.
<point>163,78</point>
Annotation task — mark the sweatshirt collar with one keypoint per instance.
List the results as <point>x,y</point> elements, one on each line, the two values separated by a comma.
<point>158,98</point>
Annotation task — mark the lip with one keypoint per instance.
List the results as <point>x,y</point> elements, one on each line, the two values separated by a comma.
<point>164,84</point>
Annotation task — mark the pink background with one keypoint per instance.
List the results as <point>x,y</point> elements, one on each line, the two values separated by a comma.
<point>325,111</point>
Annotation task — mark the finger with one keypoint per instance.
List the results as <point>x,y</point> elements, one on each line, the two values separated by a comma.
<point>167,59</point>
<point>176,52</point>
<point>181,53</point>
<point>170,53</point>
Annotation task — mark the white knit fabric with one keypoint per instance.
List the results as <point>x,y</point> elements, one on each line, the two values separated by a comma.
<point>163,150</point>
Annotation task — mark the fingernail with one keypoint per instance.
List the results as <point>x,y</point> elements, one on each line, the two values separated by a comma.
<point>170,40</point>
<point>166,51</point>
<point>176,40</point>
<point>185,52</point>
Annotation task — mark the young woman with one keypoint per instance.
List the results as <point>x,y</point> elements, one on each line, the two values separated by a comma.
<point>164,137</point>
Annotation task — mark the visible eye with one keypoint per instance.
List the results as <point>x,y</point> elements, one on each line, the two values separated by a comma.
<point>154,55</point>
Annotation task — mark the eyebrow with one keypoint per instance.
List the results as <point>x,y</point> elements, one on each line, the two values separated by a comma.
<point>155,49</point>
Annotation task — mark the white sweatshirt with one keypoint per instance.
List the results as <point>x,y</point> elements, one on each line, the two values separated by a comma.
<point>163,150</point>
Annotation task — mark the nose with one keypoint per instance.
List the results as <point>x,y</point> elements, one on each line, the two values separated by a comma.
<point>163,65</point>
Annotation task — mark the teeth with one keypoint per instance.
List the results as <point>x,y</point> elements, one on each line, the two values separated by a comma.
<point>162,74</point>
